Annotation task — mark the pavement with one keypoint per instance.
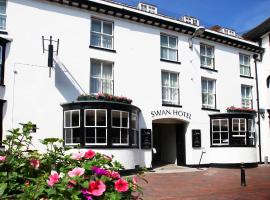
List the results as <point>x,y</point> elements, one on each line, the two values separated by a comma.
<point>206,184</point>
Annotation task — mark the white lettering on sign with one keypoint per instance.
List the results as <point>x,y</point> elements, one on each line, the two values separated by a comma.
<point>180,113</point>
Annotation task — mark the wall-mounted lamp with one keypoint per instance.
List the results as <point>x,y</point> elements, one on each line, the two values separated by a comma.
<point>198,31</point>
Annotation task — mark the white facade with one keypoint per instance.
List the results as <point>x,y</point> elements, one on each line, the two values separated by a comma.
<point>33,95</point>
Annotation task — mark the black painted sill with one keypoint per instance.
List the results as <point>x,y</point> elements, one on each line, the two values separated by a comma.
<point>243,76</point>
<point>104,49</point>
<point>211,109</point>
<point>172,105</point>
<point>210,69</point>
<point>170,61</point>
<point>3,32</point>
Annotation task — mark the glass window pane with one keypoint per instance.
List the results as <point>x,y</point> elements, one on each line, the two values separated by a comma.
<point>166,93</point>
<point>107,86</point>
<point>124,136</point>
<point>164,53</point>
<point>216,136</point>
<point>96,26</point>
<point>67,118</point>
<point>101,118</point>
<point>215,125</point>
<point>134,121</point>
<point>115,134</point>
<point>235,125</point>
<point>107,28</point>
<point>115,118</point>
<point>173,42</point>
<point>90,135</point>
<point>68,135</point>
<point>175,95</point>
<point>95,85</point>
<point>107,42</point>
<point>172,54</point>
<point>76,135</point>
<point>95,39</point>
<point>107,71</point>
<point>125,119</point>
<point>209,51</point>
<point>75,118</point>
<point>101,135</point>
<point>165,79</point>
<point>164,41</point>
<point>95,68</point>
<point>242,125</point>
<point>3,7</point>
<point>204,98</point>
<point>224,125</point>
<point>202,50</point>
<point>89,117</point>
<point>204,85</point>
<point>174,82</point>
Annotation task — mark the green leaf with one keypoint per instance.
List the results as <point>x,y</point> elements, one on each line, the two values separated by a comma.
<point>3,187</point>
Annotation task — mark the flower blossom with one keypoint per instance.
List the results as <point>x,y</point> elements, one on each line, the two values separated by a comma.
<point>71,184</point>
<point>2,158</point>
<point>77,156</point>
<point>53,178</point>
<point>86,194</point>
<point>77,171</point>
<point>35,163</point>
<point>89,154</point>
<point>99,171</point>
<point>96,188</point>
<point>121,185</point>
<point>113,174</point>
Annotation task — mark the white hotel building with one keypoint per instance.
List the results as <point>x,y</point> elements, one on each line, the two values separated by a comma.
<point>180,76</point>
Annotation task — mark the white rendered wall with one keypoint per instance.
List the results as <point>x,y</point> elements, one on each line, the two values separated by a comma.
<point>137,74</point>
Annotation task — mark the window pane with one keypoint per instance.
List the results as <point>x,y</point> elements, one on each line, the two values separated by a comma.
<point>101,135</point>
<point>204,99</point>
<point>76,135</point>
<point>224,125</point>
<point>209,51</point>
<point>173,80</point>
<point>210,86</point>
<point>175,95</point>
<point>116,118</point>
<point>202,50</point>
<point>172,42</point>
<point>204,85</point>
<point>68,135</point>
<point>215,125</point>
<point>165,79</point>
<point>115,134</point>
<point>164,53</point>
<point>134,121</point>
<point>95,39</point>
<point>96,26</point>
<point>90,135</point>
<point>3,7</point>
<point>242,125</point>
<point>95,68</point>
<point>209,62</point>
<point>164,41</point>
<point>67,118</point>
<point>133,137</point>
<point>172,54</point>
<point>89,117</point>
<point>235,125</point>
<point>95,85</point>
<point>107,71</point>
<point>101,118</point>
<point>107,42</point>
<point>75,118</point>
<point>124,136</point>
<point>107,28</point>
<point>166,93</point>
<point>125,119</point>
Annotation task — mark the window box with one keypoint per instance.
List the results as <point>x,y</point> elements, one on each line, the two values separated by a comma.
<point>233,109</point>
<point>104,97</point>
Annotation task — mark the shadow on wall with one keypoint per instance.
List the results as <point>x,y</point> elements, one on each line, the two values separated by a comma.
<point>64,84</point>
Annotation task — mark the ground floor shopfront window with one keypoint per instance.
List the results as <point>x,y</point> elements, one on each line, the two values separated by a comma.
<point>100,123</point>
<point>232,130</point>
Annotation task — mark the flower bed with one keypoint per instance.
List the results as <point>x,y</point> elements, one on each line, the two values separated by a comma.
<point>106,97</point>
<point>28,174</point>
<point>244,110</point>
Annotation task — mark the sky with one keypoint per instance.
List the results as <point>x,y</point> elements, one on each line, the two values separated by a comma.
<point>240,15</point>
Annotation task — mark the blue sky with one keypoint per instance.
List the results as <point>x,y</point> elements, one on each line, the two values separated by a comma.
<point>241,15</point>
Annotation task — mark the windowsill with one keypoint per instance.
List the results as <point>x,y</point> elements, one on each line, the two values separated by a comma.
<point>211,109</point>
<point>243,76</point>
<point>3,32</point>
<point>210,69</point>
<point>231,146</point>
<point>172,105</point>
<point>170,61</point>
<point>104,49</point>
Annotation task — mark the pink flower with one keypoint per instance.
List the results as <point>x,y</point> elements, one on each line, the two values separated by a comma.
<point>2,158</point>
<point>35,163</point>
<point>77,171</point>
<point>121,185</point>
<point>89,154</point>
<point>135,180</point>
<point>77,156</point>
<point>53,178</point>
<point>113,175</point>
<point>96,188</point>
<point>71,184</point>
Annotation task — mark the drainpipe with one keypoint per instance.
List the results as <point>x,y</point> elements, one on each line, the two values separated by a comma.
<point>255,56</point>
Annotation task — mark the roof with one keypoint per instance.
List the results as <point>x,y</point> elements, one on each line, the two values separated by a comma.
<point>127,12</point>
<point>258,31</point>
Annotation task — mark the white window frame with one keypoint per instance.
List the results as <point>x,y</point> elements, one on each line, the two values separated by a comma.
<point>71,127</point>
<point>170,101</point>
<point>101,33</point>
<point>238,132</point>
<point>100,79</point>
<point>136,129</point>
<point>95,126</point>
<point>3,16</point>
<point>243,66</point>
<point>121,127</point>
<point>207,105</point>
<point>246,100</point>
<point>251,130</point>
<point>219,132</point>
<point>205,56</point>
<point>168,48</point>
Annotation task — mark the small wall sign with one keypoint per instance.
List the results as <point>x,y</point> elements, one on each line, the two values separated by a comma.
<point>196,138</point>
<point>146,138</point>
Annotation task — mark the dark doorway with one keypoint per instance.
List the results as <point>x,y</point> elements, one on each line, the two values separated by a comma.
<point>169,143</point>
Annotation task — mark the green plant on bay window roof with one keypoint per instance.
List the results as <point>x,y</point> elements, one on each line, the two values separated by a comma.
<point>236,109</point>
<point>26,173</point>
<point>105,97</point>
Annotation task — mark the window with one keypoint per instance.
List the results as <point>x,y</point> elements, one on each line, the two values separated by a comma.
<point>238,131</point>
<point>246,93</point>
<point>207,56</point>
<point>101,77</point>
<point>95,123</point>
<point>170,88</point>
<point>220,132</point>
<point>102,34</point>
<point>169,47</point>
<point>244,65</point>
<point>3,14</point>
<point>208,94</point>
<point>251,132</point>
<point>72,126</point>
<point>120,127</point>
<point>134,129</point>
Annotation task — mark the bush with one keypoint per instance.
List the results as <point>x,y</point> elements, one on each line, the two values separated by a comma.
<point>29,174</point>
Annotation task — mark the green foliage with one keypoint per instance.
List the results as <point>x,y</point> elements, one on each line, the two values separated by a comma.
<point>26,173</point>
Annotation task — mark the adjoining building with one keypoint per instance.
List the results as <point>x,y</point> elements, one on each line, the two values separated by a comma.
<point>129,82</point>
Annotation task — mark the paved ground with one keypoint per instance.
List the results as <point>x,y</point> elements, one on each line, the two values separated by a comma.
<point>208,184</point>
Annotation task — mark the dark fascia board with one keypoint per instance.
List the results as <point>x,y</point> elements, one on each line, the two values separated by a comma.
<point>148,19</point>
<point>258,31</point>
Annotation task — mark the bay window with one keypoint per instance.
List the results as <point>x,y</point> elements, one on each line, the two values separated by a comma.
<point>101,34</point>
<point>207,56</point>
<point>72,127</point>
<point>208,93</point>
<point>169,47</point>
<point>101,77</point>
<point>246,94</point>
<point>170,88</point>
<point>120,127</point>
<point>244,65</point>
